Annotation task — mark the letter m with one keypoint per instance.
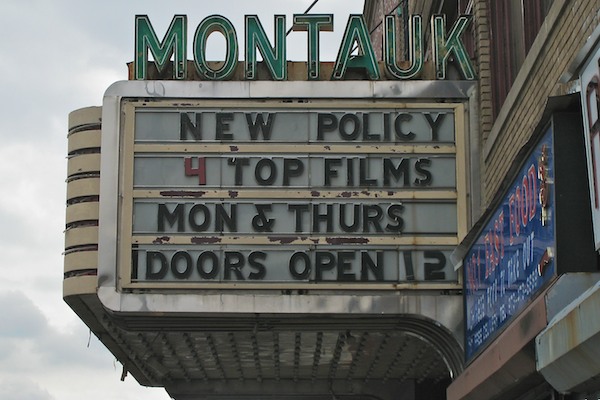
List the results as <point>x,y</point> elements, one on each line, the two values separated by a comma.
<point>174,43</point>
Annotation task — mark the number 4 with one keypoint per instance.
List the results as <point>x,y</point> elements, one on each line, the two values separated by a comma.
<point>200,171</point>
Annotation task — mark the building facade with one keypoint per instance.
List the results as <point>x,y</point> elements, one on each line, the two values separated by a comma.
<point>473,271</point>
<point>536,63</point>
<point>257,238</point>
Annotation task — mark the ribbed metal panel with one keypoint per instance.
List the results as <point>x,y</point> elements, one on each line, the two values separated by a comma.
<point>83,186</point>
<point>568,350</point>
<point>320,351</point>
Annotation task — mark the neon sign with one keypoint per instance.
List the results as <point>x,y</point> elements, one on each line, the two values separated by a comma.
<point>356,35</point>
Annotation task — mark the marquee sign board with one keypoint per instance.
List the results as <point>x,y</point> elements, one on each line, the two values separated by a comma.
<point>513,256</point>
<point>260,193</point>
<point>590,95</point>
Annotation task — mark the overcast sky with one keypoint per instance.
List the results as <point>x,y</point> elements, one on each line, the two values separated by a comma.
<point>57,56</point>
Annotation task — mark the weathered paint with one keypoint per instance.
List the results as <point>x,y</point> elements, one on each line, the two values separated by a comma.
<point>356,32</point>
<point>174,44</point>
<point>444,46</point>
<point>415,47</point>
<point>215,23</point>
<point>273,56</point>
<point>313,25</point>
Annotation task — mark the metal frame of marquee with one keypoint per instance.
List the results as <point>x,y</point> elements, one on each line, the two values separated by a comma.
<point>118,294</point>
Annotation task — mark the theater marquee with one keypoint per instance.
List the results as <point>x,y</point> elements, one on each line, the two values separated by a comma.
<point>251,192</point>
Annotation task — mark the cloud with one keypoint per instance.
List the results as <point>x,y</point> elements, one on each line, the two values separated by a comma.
<point>30,343</point>
<point>20,388</point>
<point>67,365</point>
<point>21,320</point>
<point>56,57</point>
<point>32,214</point>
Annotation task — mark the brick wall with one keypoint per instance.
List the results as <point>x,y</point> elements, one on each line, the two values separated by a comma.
<point>565,30</point>
<point>381,8</point>
<point>482,49</point>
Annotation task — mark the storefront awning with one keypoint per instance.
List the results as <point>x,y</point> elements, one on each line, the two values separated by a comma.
<point>568,350</point>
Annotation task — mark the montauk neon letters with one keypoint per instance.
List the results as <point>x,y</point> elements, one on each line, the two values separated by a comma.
<point>174,46</point>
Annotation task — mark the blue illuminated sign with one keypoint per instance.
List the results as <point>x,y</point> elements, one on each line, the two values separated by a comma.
<point>512,258</point>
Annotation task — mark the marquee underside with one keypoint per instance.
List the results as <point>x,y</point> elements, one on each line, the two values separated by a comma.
<point>258,355</point>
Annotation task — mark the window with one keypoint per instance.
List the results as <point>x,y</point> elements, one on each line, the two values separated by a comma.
<point>514,25</point>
